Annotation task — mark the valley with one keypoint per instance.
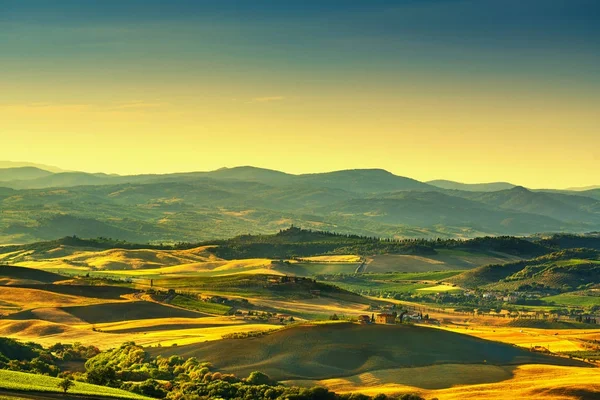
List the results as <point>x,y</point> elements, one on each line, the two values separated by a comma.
<point>469,316</point>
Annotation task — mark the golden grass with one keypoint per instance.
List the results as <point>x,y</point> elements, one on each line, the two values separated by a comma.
<point>113,259</point>
<point>531,381</point>
<point>151,332</point>
<point>555,340</point>
<point>136,325</point>
<point>13,298</point>
<point>350,258</point>
<point>318,305</point>
<point>15,281</point>
<point>222,267</point>
<point>400,380</point>
<point>438,288</point>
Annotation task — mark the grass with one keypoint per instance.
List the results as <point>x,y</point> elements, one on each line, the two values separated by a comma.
<point>365,283</point>
<point>545,324</point>
<point>574,300</point>
<point>325,351</point>
<point>29,274</point>
<point>12,380</point>
<point>524,381</point>
<point>15,299</point>
<point>317,268</point>
<point>556,338</point>
<point>445,259</point>
<point>412,276</point>
<point>199,305</point>
<point>112,312</point>
<point>440,288</point>
<point>350,258</point>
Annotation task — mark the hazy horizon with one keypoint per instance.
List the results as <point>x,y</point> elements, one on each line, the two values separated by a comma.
<point>166,172</point>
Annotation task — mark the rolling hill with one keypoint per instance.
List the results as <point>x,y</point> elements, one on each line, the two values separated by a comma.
<point>336,350</point>
<point>22,173</point>
<point>564,271</point>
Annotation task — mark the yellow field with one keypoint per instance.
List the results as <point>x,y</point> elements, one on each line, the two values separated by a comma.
<point>233,266</point>
<point>151,332</point>
<point>530,381</point>
<point>113,259</point>
<point>555,340</point>
<point>14,299</point>
<point>350,258</point>
<point>438,288</point>
<point>318,305</point>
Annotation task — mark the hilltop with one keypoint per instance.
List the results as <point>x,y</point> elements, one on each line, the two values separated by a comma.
<point>334,350</point>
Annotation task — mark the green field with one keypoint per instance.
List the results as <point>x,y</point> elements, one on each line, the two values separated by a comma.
<point>573,300</point>
<point>412,276</point>
<point>314,268</point>
<point>397,282</point>
<point>199,305</point>
<point>21,381</point>
<point>444,259</point>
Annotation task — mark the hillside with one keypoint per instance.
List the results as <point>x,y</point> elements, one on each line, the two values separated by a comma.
<point>333,350</point>
<point>471,187</point>
<point>554,205</point>
<point>292,251</point>
<point>198,206</point>
<point>564,271</point>
<point>15,275</point>
<point>22,173</point>
<point>30,386</point>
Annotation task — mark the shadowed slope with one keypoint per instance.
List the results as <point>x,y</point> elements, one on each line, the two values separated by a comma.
<point>113,312</point>
<point>325,351</point>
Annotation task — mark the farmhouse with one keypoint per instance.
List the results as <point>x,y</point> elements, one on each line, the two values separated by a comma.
<point>364,319</point>
<point>385,318</point>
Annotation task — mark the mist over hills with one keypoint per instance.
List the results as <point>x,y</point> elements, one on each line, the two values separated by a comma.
<point>37,204</point>
<point>471,187</point>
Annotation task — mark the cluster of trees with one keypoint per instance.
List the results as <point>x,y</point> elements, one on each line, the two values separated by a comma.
<point>131,368</point>
<point>32,357</point>
<point>296,242</point>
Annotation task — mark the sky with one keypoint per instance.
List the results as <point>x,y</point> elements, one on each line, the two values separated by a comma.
<point>467,90</point>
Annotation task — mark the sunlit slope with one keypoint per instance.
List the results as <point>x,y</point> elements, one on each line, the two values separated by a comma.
<point>479,382</point>
<point>333,350</point>
<point>146,332</point>
<point>67,257</point>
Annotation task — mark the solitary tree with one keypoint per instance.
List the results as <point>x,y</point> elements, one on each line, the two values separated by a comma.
<point>66,384</point>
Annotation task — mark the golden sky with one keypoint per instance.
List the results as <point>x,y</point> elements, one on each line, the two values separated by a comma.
<point>299,92</point>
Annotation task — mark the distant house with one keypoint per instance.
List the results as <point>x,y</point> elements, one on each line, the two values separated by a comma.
<point>385,318</point>
<point>364,319</point>
<point>511,298</point>
<point>412,317</point>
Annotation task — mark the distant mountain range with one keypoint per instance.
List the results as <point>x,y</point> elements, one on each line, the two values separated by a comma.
<point>37,204</point>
